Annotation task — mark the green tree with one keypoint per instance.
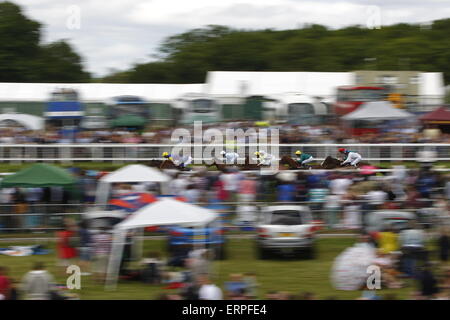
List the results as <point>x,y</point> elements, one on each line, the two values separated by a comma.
<point>19,38</point>
<point>58,62</point>
<point>188,56</point>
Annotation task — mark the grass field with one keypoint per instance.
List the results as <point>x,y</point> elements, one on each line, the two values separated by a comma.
<point>294,276</point>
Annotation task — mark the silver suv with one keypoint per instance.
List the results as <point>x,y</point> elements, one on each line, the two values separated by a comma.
<point>286,229</point>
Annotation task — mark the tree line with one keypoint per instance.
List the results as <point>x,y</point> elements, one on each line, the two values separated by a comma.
<point>187,57</point>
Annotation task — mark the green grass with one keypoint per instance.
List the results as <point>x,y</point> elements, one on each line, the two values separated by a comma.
<point>290,275</point>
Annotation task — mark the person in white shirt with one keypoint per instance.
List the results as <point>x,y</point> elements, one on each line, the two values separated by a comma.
<point>208,290</point>
<point>340,186</point>
<point>229,157</point>
<point>377,197</point>
<point>412,243</point>
<point>178,185</point>
<point>231,181</point>
<point>38,284</point>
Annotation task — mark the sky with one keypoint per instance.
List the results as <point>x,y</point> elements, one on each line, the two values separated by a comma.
<point>116,34</point>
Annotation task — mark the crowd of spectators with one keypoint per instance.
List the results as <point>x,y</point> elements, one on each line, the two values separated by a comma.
<point>329,133</point>
<point>339,200</point>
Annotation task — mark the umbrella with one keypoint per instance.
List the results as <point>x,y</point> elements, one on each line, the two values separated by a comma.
<point>133,201</point>
<point>349,270</point>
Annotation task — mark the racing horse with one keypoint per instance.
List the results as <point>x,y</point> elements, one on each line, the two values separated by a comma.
<point>287,160</point>
<point>293,164</point>
<point>333,163</point>
<point>168,164</point>
<point>162,164</point>
<point>245,166</point>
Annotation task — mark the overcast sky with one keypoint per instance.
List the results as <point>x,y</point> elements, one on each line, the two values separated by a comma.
<point>115,34</point>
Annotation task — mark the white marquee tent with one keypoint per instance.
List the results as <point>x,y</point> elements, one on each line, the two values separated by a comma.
<point>377,110</point>
<point>128,174</point>
<point>26,120</point>
<point>166,211</point>
<point>97,92</point>
<point>323,84</point>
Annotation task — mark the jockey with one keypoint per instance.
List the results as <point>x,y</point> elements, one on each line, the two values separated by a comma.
<point>351,157</point>
<point>264,158</point>
<point>303,158</point>
<point>181,161</point>
<point>229,157</point>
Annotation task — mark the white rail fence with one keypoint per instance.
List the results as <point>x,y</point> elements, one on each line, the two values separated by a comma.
<point>122,153</point>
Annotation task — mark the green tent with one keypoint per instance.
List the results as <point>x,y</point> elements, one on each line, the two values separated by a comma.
<point>39,175</point>
<point>129,120</point>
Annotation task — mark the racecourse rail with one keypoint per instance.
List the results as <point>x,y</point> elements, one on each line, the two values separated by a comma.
<point>122,153</point>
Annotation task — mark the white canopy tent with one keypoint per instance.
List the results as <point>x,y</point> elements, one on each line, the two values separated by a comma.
<point>246,83</point>
<point>166,211</point>
<point>97,92</point>
<point>27,121</point>
<point>377,110</point>
<point>128,174</point>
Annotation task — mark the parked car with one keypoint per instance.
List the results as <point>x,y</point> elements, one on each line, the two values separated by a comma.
<point>377,221</point>
<point>285,229</point>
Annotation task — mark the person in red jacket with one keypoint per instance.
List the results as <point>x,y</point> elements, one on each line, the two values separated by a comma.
<point>65,246</point>
<point>5,284</point>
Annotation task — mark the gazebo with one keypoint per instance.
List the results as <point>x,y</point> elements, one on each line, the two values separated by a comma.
<point>164,212</point>
<point>371,112</point>
<point>129,174</point>
<point>439,117</point>
<point>39,175</point>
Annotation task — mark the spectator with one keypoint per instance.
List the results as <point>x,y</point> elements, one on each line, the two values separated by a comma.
<point>102,242</point>
<point>340,185</point>
<point>352,213</point>
<point>38,284</point>
<point>208,290</point>
<point>388,241</point>
<point>198,262</point>
<point>428,284</point>
<point>66,245</point>
<point>5,284</point>
<point>444,245</point>
<point>388,271</point>
<point>317,197</point>
<point>332,208</point>
<point>33,198</point>
<point>412,241</point>
<point>251,284</point>
<point>236,285</point>
<point>376,198</point>
<point>192,194</point>
<point>286,192</point>
<point>85,247</point>
<point>153,268</point>
<point>247,189</point>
